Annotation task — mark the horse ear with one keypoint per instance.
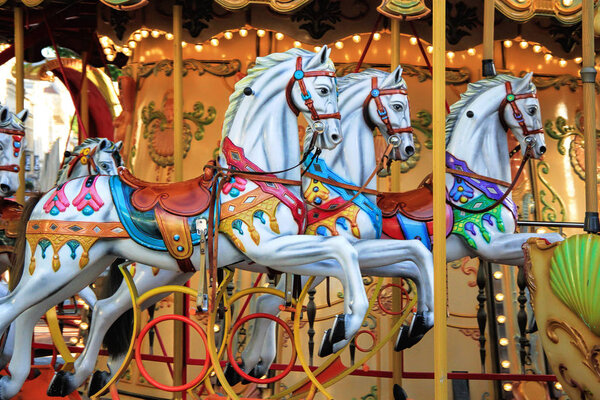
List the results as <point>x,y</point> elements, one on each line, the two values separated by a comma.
<point>318,59</point>
<point>4,115</point>
<point>22,115</point>
<point>104,144</point>
<point>119,146</point>
<point>393,79</point>
<point>523,84</point>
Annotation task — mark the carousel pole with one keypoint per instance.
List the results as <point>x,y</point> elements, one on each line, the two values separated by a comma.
<point>487,68</point>
<point>178,334</point>
<point>440,338</point>
<point>20,90</point>
<point>84,96</point>
<point>397,358</point>
<point>588,77</point>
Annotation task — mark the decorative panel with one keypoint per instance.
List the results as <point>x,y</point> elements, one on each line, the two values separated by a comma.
<point>566,11</point>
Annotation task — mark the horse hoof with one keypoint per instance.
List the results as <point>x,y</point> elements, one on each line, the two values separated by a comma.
<point>98,381</point>
<point>339,329</point>
<point>401,339</point>
<point>60,386</point>
<point>326,347</point>
<point>399,393</point>
<point>231,375</point>
<point>259,371</point>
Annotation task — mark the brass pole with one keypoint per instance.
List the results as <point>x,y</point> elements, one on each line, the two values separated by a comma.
<point>178,336</point>
<point>20,91</point>
<point>440,334</point>
<point>488,68</point>
<point>397,358</point>
<point>588,77</point>
<point>84,99</point>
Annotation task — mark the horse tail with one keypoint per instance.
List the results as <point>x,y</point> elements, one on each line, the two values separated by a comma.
<point>117,338</point>
<point>17,258</point>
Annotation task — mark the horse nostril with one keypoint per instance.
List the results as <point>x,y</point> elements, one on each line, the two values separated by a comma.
<point>4,188</point>
<point>542,149</point>
<point>335,137</point>
<point>409,150</point>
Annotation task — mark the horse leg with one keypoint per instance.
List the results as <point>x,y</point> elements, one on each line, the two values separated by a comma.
<point>507,249</point>
<point>88,295</point>
<point>8,348</point>
<point>296,253</point>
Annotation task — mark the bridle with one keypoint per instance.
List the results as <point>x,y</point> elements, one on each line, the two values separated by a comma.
<point>85,157</point>
<point>17,145</point>
<point>298,77</point>
<point>376,94</point>
<point>511,99</point>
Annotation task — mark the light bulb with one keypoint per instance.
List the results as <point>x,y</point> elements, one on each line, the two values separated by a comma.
<point>548,57</point>
<point>430,49</point>
<point>84,326</point>
<point>110,57</point>
<point>503,341</point>
<point>499,297</point>
<point>228,35</point>
<point>501,319</point>
<point>198,47</point>
<point>183,43</point>
<point>412,40</point>
<point>471,51</point>
<point>155,33</point>
<point>537,48</point>
<point>505,364</point>
<point>107,50</point>
<point>523,44</point>
<point>450,55</point>
<point>356,38</point>
<point>507,387</point>
<point>339,45</point>
<point>214,42</point>
<point>132,44</point>
<point>137,36</point>
<point>376,36</point>
<point>169,36</point>
<point>562,62</point>
<point>260,33</point>
<point>498,274</point>
<point>243,32</point>
<point>558,386</point>
<point>279,36</point>
<point>317,49</point>
<point>145,33</point>
<point>578,60</point>
<point>297,44</point>
<point>508,43</point>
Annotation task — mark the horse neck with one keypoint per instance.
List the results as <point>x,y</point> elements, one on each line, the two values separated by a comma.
<point>482,144</point>
<point>79,170</point>
<point>267,130</point>
<point>354,158</point>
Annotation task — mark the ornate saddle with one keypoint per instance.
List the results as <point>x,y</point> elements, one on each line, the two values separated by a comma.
<point>10,216</point>
<point>415,204</point>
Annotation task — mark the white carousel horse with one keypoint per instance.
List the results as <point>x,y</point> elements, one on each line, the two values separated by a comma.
<point>476,141</point>
<point>354,165</point>
<point>261,123</point>
<point>93,156</point>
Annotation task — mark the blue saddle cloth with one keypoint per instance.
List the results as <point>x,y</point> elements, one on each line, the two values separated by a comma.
<point>141,226</point>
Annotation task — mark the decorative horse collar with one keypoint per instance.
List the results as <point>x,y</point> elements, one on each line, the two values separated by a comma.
<point>299,76</point>
<point>376,94</point>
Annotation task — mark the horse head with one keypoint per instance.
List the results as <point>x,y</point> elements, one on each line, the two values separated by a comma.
<point>12,135</point>
<point>92,157</point>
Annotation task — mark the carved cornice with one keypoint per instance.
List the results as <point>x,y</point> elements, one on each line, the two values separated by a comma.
<point>403,9</point>
<point>217,68</point>
<point>281,6</point>
<point>454,76</point>
<point>524,10</point>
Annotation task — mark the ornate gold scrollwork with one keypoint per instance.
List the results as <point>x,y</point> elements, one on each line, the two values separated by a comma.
<point>590,356</point>
<point>281,6</point>
<point>217,68</point>
<point>523,10</point>
<point>404,9</point>
<point>454,76</point>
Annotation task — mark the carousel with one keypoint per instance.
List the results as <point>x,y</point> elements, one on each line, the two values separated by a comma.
<point>238,199</point>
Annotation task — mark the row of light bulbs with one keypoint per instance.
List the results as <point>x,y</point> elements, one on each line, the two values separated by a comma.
<point>538,48</point>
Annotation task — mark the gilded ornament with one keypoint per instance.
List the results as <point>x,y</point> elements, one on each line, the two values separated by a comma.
<point>281,6</point>
<point>404,9</point>
<point>549,212</point>
<point>523,10</point>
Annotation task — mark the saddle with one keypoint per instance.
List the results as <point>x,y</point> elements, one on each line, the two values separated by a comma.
<point>10,216</point>
<point>415,204</point>
<point>172,204</point>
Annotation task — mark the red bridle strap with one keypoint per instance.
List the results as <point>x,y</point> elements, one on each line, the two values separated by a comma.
<point>511,99</point>
<point>18,138</point>
<point>14,132</point>
<point>375,94</point>
<point>10,168</point>
<point>299,76</point>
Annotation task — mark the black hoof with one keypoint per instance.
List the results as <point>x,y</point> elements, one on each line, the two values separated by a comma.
<point>59,386</point>
<point>339,329</point>
<point>409,336</point>
<point>231,375</point>
<point>326,347</point>
<point>98,381</point>
<point>399,393</point>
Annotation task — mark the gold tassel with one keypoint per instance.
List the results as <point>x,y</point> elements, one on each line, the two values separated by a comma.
<point>254,234</point>
<point>155,271</point>
<point>55,262</point>
<point>84,259</point>
<point>32,265</point>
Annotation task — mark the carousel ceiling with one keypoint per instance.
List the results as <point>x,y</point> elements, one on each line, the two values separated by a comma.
<point>554,24</point>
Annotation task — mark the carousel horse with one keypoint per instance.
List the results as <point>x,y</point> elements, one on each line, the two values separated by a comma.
<point>481,221</point>
<point>260,216</point>
<point>360,221</point>
<point>92,157</point>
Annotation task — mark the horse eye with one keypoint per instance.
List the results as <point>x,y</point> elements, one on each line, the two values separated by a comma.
<point>324,91</point>
<point>532,110</point>
<point>1,147</point>
<point>397,107</point>
<point>104,166</point>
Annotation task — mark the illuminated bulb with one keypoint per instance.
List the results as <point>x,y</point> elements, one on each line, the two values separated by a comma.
<point>537,48</point>
<point>339,45</point>
<point>376,36</point>
<point>297,44</point>
<point>84,325</point>
<point>507,387</point>
<point>505,364</point>
<point>471,51</point>
<point>498,274</point>
<point>73,340</point>
<point>499,297</point>
<point>450,55</point>
<point>127,51</point>
<point>412,40</point>
<point>558,386</point>
<point>228,35</point>
<point>508,43</point>
<point>243,32</point>
<point>430,49</point>
<point>356,38</point>
<point>183,43</point>
<point>317,48</point>
<point>155,33</point>
<point>214,42</point>
<point>118,48</point>
<point>132,44</point>
<point>260,33</point>
<point>104,40</point>
<point>137,36</point>
<point>216,328</point>
<point>540,230</point>
<point>578,60</point>
<point>107,50</point>
<point>279,36</point>
<point>562,62</point>
<point>548,57</point>
<point>169,36</point>
<point>503,341</point>
<point>198,47</point>
<point>567,3</point>
<point>50,73</point>
<point>501,319</point>
<point>85,306</point>
<point>524,44</point>
<point>145,33</point>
